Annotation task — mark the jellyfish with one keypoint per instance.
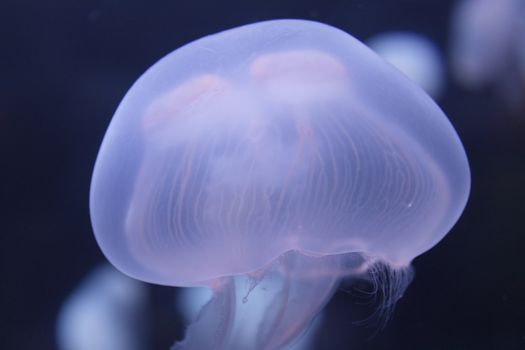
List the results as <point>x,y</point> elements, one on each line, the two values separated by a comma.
<point>267,163</point>
<point>414,55</point>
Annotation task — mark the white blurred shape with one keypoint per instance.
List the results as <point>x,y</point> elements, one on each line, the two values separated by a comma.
<point>483,38</point>
<point>414,55</point>
<point>521,46</point>
<point>105,312</point>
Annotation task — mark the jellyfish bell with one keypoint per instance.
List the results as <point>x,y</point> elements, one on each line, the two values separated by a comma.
<point>286,152</point>
<point>281,75</point>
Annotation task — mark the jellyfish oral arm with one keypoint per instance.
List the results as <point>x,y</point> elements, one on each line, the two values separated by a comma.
<point>268,310</point>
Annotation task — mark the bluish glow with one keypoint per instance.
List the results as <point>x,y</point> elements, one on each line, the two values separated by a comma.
<point>105,312</point>
<point>414,55</point>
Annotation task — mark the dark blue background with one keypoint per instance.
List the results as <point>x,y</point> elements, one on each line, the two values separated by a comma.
<point>65,65</point>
